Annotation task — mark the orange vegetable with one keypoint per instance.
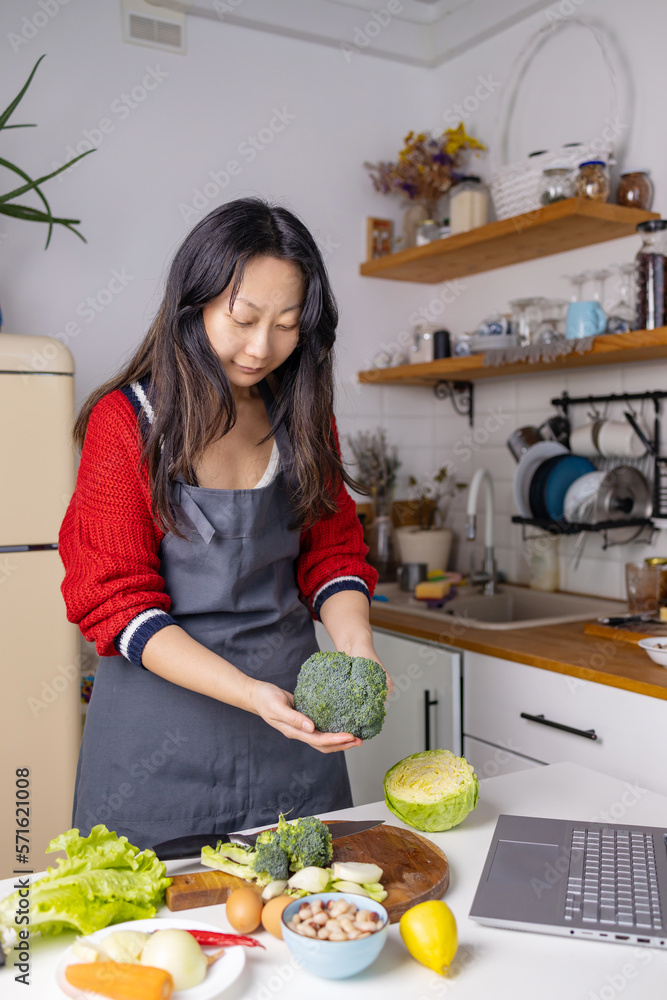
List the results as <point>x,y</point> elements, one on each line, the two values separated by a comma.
<point>121,980</point>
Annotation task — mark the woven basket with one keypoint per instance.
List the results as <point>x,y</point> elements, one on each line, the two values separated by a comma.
<point>515,187</point>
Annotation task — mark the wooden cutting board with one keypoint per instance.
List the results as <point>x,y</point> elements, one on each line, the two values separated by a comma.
<point>628,632</point>
<point>414,870</point>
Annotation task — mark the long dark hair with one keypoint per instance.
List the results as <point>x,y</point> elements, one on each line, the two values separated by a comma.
<point>188,387</point>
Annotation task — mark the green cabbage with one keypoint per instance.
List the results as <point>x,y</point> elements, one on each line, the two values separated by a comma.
<point>432,790</point>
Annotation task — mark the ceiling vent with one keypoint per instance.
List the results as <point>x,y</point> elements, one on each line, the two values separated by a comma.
<point>156,27</point>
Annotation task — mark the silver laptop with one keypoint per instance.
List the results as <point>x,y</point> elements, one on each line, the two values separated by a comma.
<point>596,880</point>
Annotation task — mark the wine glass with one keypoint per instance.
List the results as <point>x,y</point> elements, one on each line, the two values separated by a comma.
<point>577,281</point>
<point>600,279</point>
<point>621,316</point>
<point>552,325</point>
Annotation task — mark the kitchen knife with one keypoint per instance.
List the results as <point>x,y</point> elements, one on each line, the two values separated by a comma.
<point>191,845</point>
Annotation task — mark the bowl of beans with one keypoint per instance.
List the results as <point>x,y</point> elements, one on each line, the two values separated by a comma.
<point>335,934</point>
<point>656,647</point>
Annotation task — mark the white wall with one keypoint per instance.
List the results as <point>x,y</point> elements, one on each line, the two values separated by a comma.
<point>128,195</point>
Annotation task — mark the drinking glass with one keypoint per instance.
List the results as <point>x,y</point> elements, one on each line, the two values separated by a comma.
<point>621,316</point>
<point>526,316</point>
<point>643,587</point>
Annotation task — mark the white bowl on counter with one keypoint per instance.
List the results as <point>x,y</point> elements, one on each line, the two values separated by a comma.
<point>656,647</point>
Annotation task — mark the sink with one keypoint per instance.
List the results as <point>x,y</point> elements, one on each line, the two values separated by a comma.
<point>511,607</point>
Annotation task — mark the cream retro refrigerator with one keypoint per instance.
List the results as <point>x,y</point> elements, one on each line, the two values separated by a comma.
<point>40,724</point>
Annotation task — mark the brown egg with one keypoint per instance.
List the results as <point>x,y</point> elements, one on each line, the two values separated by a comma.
<point>272,913</point>
<point>244,910</point>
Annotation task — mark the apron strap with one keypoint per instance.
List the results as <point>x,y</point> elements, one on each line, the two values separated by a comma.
<point>198,518</point>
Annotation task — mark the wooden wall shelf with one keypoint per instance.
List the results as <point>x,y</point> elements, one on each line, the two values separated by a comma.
<point>555,228</point>
<point>611,349</point>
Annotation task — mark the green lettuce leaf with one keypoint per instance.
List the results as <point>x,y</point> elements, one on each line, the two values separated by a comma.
<point>103,880</point>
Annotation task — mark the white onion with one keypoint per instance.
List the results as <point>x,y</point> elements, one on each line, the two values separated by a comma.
<point>356,871</point>
<point>177,952</point>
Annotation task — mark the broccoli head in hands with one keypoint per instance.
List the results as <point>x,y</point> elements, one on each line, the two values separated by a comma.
<point>342,694</point>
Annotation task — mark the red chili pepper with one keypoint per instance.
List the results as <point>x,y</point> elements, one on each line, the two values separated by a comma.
<point>221,940</point>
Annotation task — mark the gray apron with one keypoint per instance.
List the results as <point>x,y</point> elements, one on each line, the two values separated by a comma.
<point>158,761</point>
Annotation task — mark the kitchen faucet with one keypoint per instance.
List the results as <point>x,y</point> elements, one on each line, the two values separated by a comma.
<point>488,576</point>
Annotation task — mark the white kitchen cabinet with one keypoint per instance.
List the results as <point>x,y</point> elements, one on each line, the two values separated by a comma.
<point>423,712</point>
<point>490,761</point>
<point>630,729</point>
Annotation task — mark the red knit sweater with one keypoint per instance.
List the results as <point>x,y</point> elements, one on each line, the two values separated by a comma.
<point>109,540</point>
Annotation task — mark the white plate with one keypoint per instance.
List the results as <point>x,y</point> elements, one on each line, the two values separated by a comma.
<point>528,465</point>
<point>218,977</point>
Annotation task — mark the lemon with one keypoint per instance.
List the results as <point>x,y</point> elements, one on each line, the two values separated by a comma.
<point>429,933</point>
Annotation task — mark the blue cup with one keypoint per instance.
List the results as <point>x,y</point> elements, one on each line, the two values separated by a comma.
<point>584,319</point>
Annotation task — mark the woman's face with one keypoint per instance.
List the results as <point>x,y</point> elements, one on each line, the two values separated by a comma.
<point>262,329</point>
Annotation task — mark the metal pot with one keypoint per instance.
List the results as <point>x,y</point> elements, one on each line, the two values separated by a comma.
<point>616,495</point>
<point>624,493</point>
<point>522,439</point>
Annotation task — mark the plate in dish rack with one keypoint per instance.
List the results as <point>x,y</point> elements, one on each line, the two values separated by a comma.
<point>219,976</point>
<point>528,465</point>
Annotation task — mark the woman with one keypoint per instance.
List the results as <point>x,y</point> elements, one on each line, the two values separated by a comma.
<point>209,525</point>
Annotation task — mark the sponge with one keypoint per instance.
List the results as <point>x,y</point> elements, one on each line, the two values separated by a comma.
<point>432,590</point>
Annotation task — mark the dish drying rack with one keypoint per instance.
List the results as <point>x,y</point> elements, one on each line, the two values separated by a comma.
<point>652,465</point>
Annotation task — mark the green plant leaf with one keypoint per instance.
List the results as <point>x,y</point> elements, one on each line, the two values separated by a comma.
<point>34,215</point>
<point>14,104</point>
<point>40,180</point>
<point>31,125</point>
<point>22,173</point>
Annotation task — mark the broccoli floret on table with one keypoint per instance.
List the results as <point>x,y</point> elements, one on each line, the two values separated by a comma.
<point>270,858</point>
<point>306,842</point>
<point>342,694</point>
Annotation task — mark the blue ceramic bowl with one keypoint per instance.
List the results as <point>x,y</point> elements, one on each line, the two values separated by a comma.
<point>335,959</point>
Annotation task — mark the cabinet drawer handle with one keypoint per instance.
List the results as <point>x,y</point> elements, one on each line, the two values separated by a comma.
<point>428,702</point>
<point>588,734</point>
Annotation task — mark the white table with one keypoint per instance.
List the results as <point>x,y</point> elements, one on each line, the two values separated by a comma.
<point>491,963</point>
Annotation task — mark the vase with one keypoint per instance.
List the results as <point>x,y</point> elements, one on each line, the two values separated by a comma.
<point>431,547</point>
<point>416,212</point>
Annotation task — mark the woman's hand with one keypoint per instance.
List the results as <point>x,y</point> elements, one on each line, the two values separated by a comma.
<point>276,707</point>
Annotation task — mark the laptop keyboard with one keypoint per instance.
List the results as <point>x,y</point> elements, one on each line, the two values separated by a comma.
<point>612,879</point>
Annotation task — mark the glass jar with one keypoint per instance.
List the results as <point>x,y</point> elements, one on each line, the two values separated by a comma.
<point>592,180</point>
<point>651,275</point>
<point>557,184</point>
<point>427,231</point>
<point>468,205</point>
<point>660,561</point>
<point>635,190</point>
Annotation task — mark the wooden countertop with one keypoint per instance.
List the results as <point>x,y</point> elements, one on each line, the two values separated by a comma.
<point>565,649</point>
